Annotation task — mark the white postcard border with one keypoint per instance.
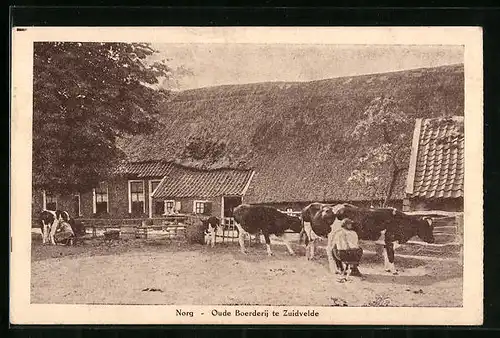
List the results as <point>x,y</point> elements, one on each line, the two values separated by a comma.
<point>22,312</point>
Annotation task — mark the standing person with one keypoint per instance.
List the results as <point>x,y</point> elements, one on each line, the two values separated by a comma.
<point>346,248</point>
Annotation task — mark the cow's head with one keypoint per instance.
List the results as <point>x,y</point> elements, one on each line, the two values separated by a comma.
<point>426,229</point>
<point>327,215</point>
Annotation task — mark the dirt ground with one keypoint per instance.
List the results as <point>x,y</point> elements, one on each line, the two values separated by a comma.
<point>152,271</point>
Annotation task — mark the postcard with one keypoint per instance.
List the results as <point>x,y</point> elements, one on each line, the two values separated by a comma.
<point>247,175</point>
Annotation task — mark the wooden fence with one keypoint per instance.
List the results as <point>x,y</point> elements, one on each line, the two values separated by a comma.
<point>171,226</point>
<point>448,228</point>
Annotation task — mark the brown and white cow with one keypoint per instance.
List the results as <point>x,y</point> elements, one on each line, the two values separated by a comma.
<point>252,219</point>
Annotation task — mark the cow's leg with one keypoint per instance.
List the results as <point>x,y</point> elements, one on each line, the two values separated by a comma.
<point>268,243</point>
<point>241,240</point>
<point>333,263</point>
<point>389,257</point>
<point>211,231</point>
<point>307,241</point>
<point>312,245</point>
<point>53,229</point>
<point>288,245</point>
<point>45,232</point>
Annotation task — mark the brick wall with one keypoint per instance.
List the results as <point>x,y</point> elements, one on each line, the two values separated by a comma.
<point>187,204</point>
<point>118,202</point>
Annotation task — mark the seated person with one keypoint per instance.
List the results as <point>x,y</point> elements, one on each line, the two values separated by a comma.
<point>64,233</point>
<point>346,248</point>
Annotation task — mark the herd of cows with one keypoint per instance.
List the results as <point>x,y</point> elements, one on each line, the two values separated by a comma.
<point>317,220</point>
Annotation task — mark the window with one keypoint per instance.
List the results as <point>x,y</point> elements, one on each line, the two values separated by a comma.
<point>49,201</point>
<point>169,207</point>
<point>76,205</point>
<point>202,207</point>
<point>101,201</point>
<point>136,197</point>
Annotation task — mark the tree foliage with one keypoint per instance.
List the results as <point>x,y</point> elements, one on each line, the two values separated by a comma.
<point>85,96</point>
<point>384,129</point>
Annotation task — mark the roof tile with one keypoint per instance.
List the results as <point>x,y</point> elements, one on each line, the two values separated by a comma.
<point>186,182</point>
<point>439,171</point>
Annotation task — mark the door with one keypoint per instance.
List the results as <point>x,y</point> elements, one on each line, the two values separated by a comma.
<point>231,202</point>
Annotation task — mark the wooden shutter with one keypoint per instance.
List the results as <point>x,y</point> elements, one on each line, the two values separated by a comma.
<point>208,208</point>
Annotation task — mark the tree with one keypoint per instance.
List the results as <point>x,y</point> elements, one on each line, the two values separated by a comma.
<point>384,132</point>
<point>85,96</point>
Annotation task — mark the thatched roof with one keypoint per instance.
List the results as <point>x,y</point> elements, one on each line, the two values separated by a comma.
<point>292,134</point>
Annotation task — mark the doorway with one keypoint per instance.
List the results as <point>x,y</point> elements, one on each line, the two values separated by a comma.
<point>231,202</point>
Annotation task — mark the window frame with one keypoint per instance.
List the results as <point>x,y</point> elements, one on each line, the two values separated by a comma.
<point>94,200</point>
<point>199,201</point>
<point>80,203</point>
<point>129,193</point>
<point>165,206</point>
<point>44,199</point>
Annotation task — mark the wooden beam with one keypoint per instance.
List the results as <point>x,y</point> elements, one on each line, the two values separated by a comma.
<point>413,157</point>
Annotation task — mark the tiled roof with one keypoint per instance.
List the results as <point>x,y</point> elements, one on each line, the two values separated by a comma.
<point>183,182</point>
<point>437,163</point>
<point>145,169</point>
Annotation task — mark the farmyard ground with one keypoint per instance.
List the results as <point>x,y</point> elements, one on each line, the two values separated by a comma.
<point>178,273</point>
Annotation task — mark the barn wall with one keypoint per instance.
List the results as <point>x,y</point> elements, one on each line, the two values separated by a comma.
<point>118,202</point>
<point>298,206</point>
<point>455,204</point>
<point>118,198</point>
<point>86,204</point>
<point>187,204</point>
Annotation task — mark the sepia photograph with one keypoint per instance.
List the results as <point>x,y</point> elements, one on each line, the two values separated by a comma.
<point>247,175</point>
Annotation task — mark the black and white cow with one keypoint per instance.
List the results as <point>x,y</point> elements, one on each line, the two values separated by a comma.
<point>48,225</point>
<point>396,226</point>
<point>252,219</point>
<point>369,223</point>
<point>210,225</point>
<point>318,221</point>
<point>52,221</point>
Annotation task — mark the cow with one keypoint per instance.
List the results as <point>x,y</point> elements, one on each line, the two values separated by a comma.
<point>252,219</point>
<point>48,225</point>
<point>52,221</point>
<point>396,227</point>
<point>210,226</point>
<point>319,220</point>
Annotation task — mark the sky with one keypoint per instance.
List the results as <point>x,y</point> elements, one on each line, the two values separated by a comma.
<point>215,64</point>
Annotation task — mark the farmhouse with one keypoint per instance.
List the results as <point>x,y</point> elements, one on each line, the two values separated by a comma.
<point>155,189</point>
<point>282,144</point>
